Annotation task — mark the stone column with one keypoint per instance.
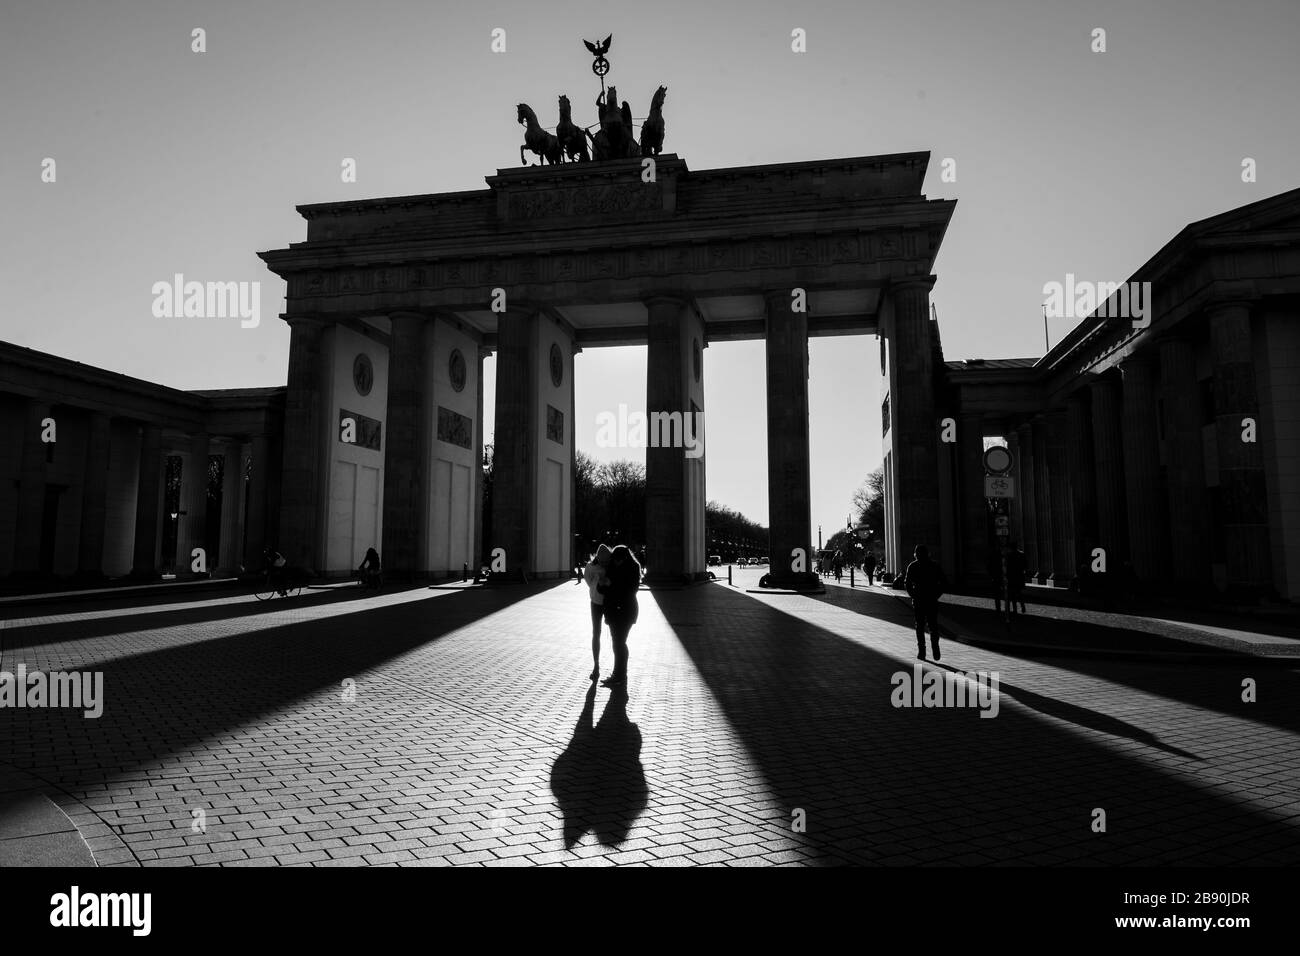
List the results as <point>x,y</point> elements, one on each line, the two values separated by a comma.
<point>974,539</point>
<point>1145,506</point>
<point>1043,482</point>
<point>1188,528</point>
<point>1026,495</point>
<point>1108,460</point>
<point>916,474</point>
<point>1062,541</point>
<point>255,534</point>
<point>148,502</point>
<point>31,488</point>
<point>665,472</point>
<point>1080,466</point>
<point>405,434</point>
<point>304,424</point>
<point>94,496</point>
<point>232,484</point>
<point>193,525</point>
<point>1015,507</point>
<point>789,491</point>
<point>480,426</point>
<point>514,440</point>
<point>1241,463</point>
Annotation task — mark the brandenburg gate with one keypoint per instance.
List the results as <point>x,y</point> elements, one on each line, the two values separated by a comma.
<point>394,303</point>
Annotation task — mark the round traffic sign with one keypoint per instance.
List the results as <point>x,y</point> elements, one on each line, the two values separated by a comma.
<point>997,460</point>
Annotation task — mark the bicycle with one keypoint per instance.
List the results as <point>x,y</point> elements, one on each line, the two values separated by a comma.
<point>371,579</point>
<point>289,583</point>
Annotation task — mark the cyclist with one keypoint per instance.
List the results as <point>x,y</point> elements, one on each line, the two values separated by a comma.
<point>370,569</point>
<point>275,564</point>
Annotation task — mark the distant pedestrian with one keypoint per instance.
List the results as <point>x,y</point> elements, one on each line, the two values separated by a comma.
<point>837,567</point>
<point>869,566</point>
<point>925,584</point>
<point>622,578</point>
<point>1014,569</point>
<point>594,575</point>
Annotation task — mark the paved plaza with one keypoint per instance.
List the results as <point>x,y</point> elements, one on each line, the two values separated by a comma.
<point>457,726</point>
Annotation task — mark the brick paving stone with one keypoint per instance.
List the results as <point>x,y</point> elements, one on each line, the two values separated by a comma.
<point>474,737</point>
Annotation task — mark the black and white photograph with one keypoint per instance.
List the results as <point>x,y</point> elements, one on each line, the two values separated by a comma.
<point>860,437</point>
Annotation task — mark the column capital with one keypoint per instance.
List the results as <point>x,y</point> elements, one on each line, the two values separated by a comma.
<point>1218,306</point>
<point>778,295</point>
<point>913,283</point>
<point>658,299</point>
<point>1138,367</point>
<point>301,321</point>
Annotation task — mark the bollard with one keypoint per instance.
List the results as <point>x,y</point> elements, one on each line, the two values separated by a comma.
<point>850,575</point>
<point>464,572</point>
<point>728,575</point>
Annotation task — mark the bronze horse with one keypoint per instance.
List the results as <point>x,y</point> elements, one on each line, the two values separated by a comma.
<point>573,139</point>
<point>536,140</point>
<point>652,130</point>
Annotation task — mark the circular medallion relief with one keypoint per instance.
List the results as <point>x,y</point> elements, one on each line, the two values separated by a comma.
<point>456,368</point>
<point>699,361</point>
<point>363,374</point>
<point>557,365</point>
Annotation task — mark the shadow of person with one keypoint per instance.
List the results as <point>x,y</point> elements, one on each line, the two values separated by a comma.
<point>1083,717</point>
<point>598,781</point>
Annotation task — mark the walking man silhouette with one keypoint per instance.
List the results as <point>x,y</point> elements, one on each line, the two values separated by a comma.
<point>925,584</point>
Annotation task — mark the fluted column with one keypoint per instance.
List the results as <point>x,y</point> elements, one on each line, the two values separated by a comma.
<point>514,440</point>
<point>1043,503</point>
<point>789,475</point>
<point>974,506</point>
<point>1027,495</point>
<point>916,474</point>
<point>480,428</point>
<point>193,525</point>
<point>1145,506</point>
<point>404,491</point>
<point>255,522</point>
<point>94,496</point>
<point>1188,527</point>
<point>1108,461</point>
<point>665,473</point>
<point>232,486</point>
<point>1062,519</point>
<point>31,488</point>
<point>1080,466</point>
<point>1241,463</point>
<point>304,424</point>
<point>148,502</point>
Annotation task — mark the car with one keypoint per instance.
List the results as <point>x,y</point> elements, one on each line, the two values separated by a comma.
<point>715,560</point>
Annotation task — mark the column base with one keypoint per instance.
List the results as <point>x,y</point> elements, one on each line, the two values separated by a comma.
<point>792,581</point>
<point>672,582</point>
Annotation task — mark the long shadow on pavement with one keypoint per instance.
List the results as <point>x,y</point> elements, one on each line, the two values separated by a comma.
<point>944,785</point>
<point>152,615</point>
<point>1210,680</point>
<point>598,781</point>
<point>161,703</point>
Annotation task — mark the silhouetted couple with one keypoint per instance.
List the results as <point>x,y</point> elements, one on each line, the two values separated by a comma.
<point>612,576</point>
<point>925,584</point>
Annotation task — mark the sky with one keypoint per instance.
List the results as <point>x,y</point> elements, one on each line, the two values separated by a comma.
<point>1067,160</point>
